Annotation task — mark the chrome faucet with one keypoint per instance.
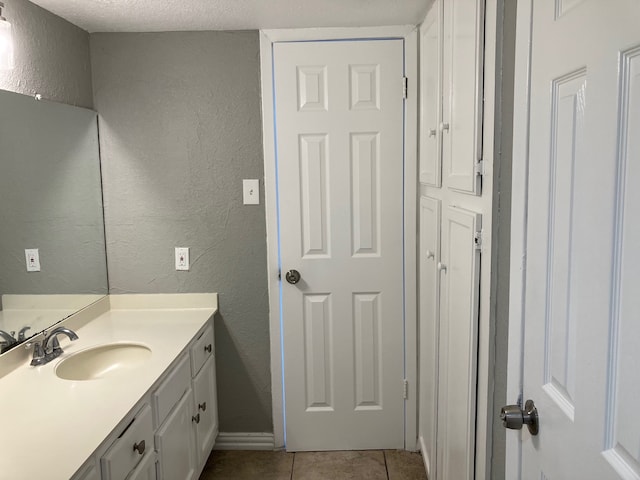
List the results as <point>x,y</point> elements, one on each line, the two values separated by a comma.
<point>43,354</point>
<point>22,334</point>
<point>8,340</point>
<point>7,337</point>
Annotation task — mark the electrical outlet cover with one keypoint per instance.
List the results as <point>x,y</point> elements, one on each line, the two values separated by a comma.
<point>182,258</point>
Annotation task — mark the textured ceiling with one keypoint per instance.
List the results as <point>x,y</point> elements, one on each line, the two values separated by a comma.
<point>176,15</point>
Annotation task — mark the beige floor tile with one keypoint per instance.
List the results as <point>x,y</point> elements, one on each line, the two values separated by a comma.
<point>248,465</point>
<point>352,465</point>
<point>403,465</point>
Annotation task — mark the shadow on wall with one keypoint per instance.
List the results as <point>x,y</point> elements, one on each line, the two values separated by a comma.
<point>244,408</point>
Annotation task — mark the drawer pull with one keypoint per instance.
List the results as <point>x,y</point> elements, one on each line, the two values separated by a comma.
<point>139,447</point>
<point>196,418</point>
<point>202,406</point>
<point>207,348</point>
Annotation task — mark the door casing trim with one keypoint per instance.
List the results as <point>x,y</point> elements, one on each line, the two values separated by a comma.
<point>410,35</point>
<point>519,192</point>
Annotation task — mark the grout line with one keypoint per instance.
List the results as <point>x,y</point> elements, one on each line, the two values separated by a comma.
<point>293,462</point>
<point>386,468</point>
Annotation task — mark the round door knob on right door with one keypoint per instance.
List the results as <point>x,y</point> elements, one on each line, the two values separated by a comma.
<point>292,276</point>
<point>514,416</point>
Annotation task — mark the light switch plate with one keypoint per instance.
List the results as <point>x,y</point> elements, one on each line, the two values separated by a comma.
<point>32,257</point>
<point>182,258</point>
<point>251,191</point>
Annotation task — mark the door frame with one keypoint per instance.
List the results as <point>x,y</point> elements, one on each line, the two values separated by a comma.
<point>519,209</point>
<point>409,34</point>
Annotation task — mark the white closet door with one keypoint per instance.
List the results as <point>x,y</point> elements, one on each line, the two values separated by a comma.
<point>429,325</point>
<point>339,116</point>
<point>462,94</point>
<point>430,97</point>
<point>460,288</point>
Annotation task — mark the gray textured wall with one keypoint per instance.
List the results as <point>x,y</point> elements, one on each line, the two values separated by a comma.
<point>51,56</point>
<point>180,127</point>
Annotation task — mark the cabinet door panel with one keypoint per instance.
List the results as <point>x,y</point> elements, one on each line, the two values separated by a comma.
<point>463,40</point>
<point>146,469</point>
<point>460,287</point>
<point>206,406</point>
<point>429,323</point>
<point>430,97</point>
<point>175,442</point>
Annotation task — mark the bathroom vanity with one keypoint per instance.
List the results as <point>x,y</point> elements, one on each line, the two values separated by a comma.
<point>133,398</point>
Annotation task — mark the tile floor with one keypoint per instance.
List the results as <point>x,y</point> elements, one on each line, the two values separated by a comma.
<point>347,465</point>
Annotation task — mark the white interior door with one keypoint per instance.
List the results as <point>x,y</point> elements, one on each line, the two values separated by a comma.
<point>339,139</point>
<point>582,304</point>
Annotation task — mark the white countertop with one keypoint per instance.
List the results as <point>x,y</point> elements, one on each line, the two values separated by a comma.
<point>50,427</point>
<point>39,311</point>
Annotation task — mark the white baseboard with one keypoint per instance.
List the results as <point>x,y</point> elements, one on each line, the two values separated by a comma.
<point>425,457</point>
<point>244,441</point>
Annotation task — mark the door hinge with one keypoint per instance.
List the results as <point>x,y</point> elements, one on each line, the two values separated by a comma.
<point>405,389</point>
<point>477,240</point>
<point>479,167</point>
<point>405,87</point>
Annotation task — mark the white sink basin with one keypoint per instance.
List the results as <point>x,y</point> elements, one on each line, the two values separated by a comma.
<point>103,361</point>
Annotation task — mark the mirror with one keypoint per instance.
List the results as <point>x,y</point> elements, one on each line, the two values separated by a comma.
<point>50,201</point>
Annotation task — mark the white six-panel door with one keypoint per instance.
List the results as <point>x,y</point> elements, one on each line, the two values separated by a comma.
<point>582,301</point>
<point>339,139</point>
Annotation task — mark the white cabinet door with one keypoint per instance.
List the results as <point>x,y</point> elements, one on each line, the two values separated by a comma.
<point>206,408</point>
<point>175,442</point>
<point>463,38</point>
<point>146,469</point>
<point>431,97</point>
<point>460,285</point>
<point>429,325</point>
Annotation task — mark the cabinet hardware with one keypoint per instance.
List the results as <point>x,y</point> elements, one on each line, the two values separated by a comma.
<point>207,348</point>
<point>139,447</point>
<point>202,406</point>
<point>196,418</point>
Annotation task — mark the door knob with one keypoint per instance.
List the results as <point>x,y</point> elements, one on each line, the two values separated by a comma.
<point>292,276</point>
<point>514,416</point>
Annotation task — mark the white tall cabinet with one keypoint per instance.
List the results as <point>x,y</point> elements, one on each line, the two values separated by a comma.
<point>455,207</point>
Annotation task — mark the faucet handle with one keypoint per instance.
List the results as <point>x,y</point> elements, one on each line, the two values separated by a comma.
<point>55,345</point>
<point>38,355</point>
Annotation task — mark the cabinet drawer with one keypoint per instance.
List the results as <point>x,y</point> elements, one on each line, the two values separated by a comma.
<point>128,449</point>
<point>201,350</point>
<point>171,390</point>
